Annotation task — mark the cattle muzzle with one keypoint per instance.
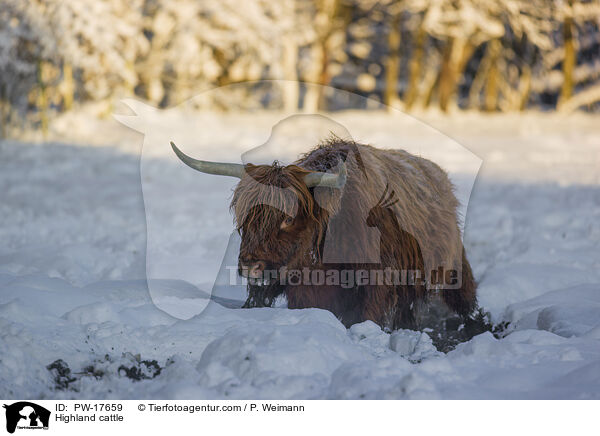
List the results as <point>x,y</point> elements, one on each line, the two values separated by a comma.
<point>258,272</point>
<point>253,270</point>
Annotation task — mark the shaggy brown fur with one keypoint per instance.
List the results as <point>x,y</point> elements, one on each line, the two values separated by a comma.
<point>408,199</point>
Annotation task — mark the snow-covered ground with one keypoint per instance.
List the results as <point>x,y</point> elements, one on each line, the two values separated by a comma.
<point>73,289</point>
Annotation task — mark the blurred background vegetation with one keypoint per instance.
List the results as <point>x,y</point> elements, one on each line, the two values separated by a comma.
<point>447,55</point>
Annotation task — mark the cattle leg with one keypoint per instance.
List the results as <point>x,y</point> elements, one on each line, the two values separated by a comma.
<point>464,300</point>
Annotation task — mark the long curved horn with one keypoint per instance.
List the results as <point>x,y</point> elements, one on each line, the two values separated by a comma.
<point>217,168</point>
<point>329,180</point>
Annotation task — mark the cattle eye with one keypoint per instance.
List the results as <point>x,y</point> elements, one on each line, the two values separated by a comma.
<point>288,221</point>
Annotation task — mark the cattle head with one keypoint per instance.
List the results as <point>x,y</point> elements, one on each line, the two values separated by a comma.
<point>276,215</point>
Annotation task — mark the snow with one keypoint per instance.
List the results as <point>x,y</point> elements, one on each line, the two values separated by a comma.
<point>73,273</point>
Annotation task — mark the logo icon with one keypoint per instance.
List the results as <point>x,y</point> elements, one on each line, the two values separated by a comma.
<point>26,415</point>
